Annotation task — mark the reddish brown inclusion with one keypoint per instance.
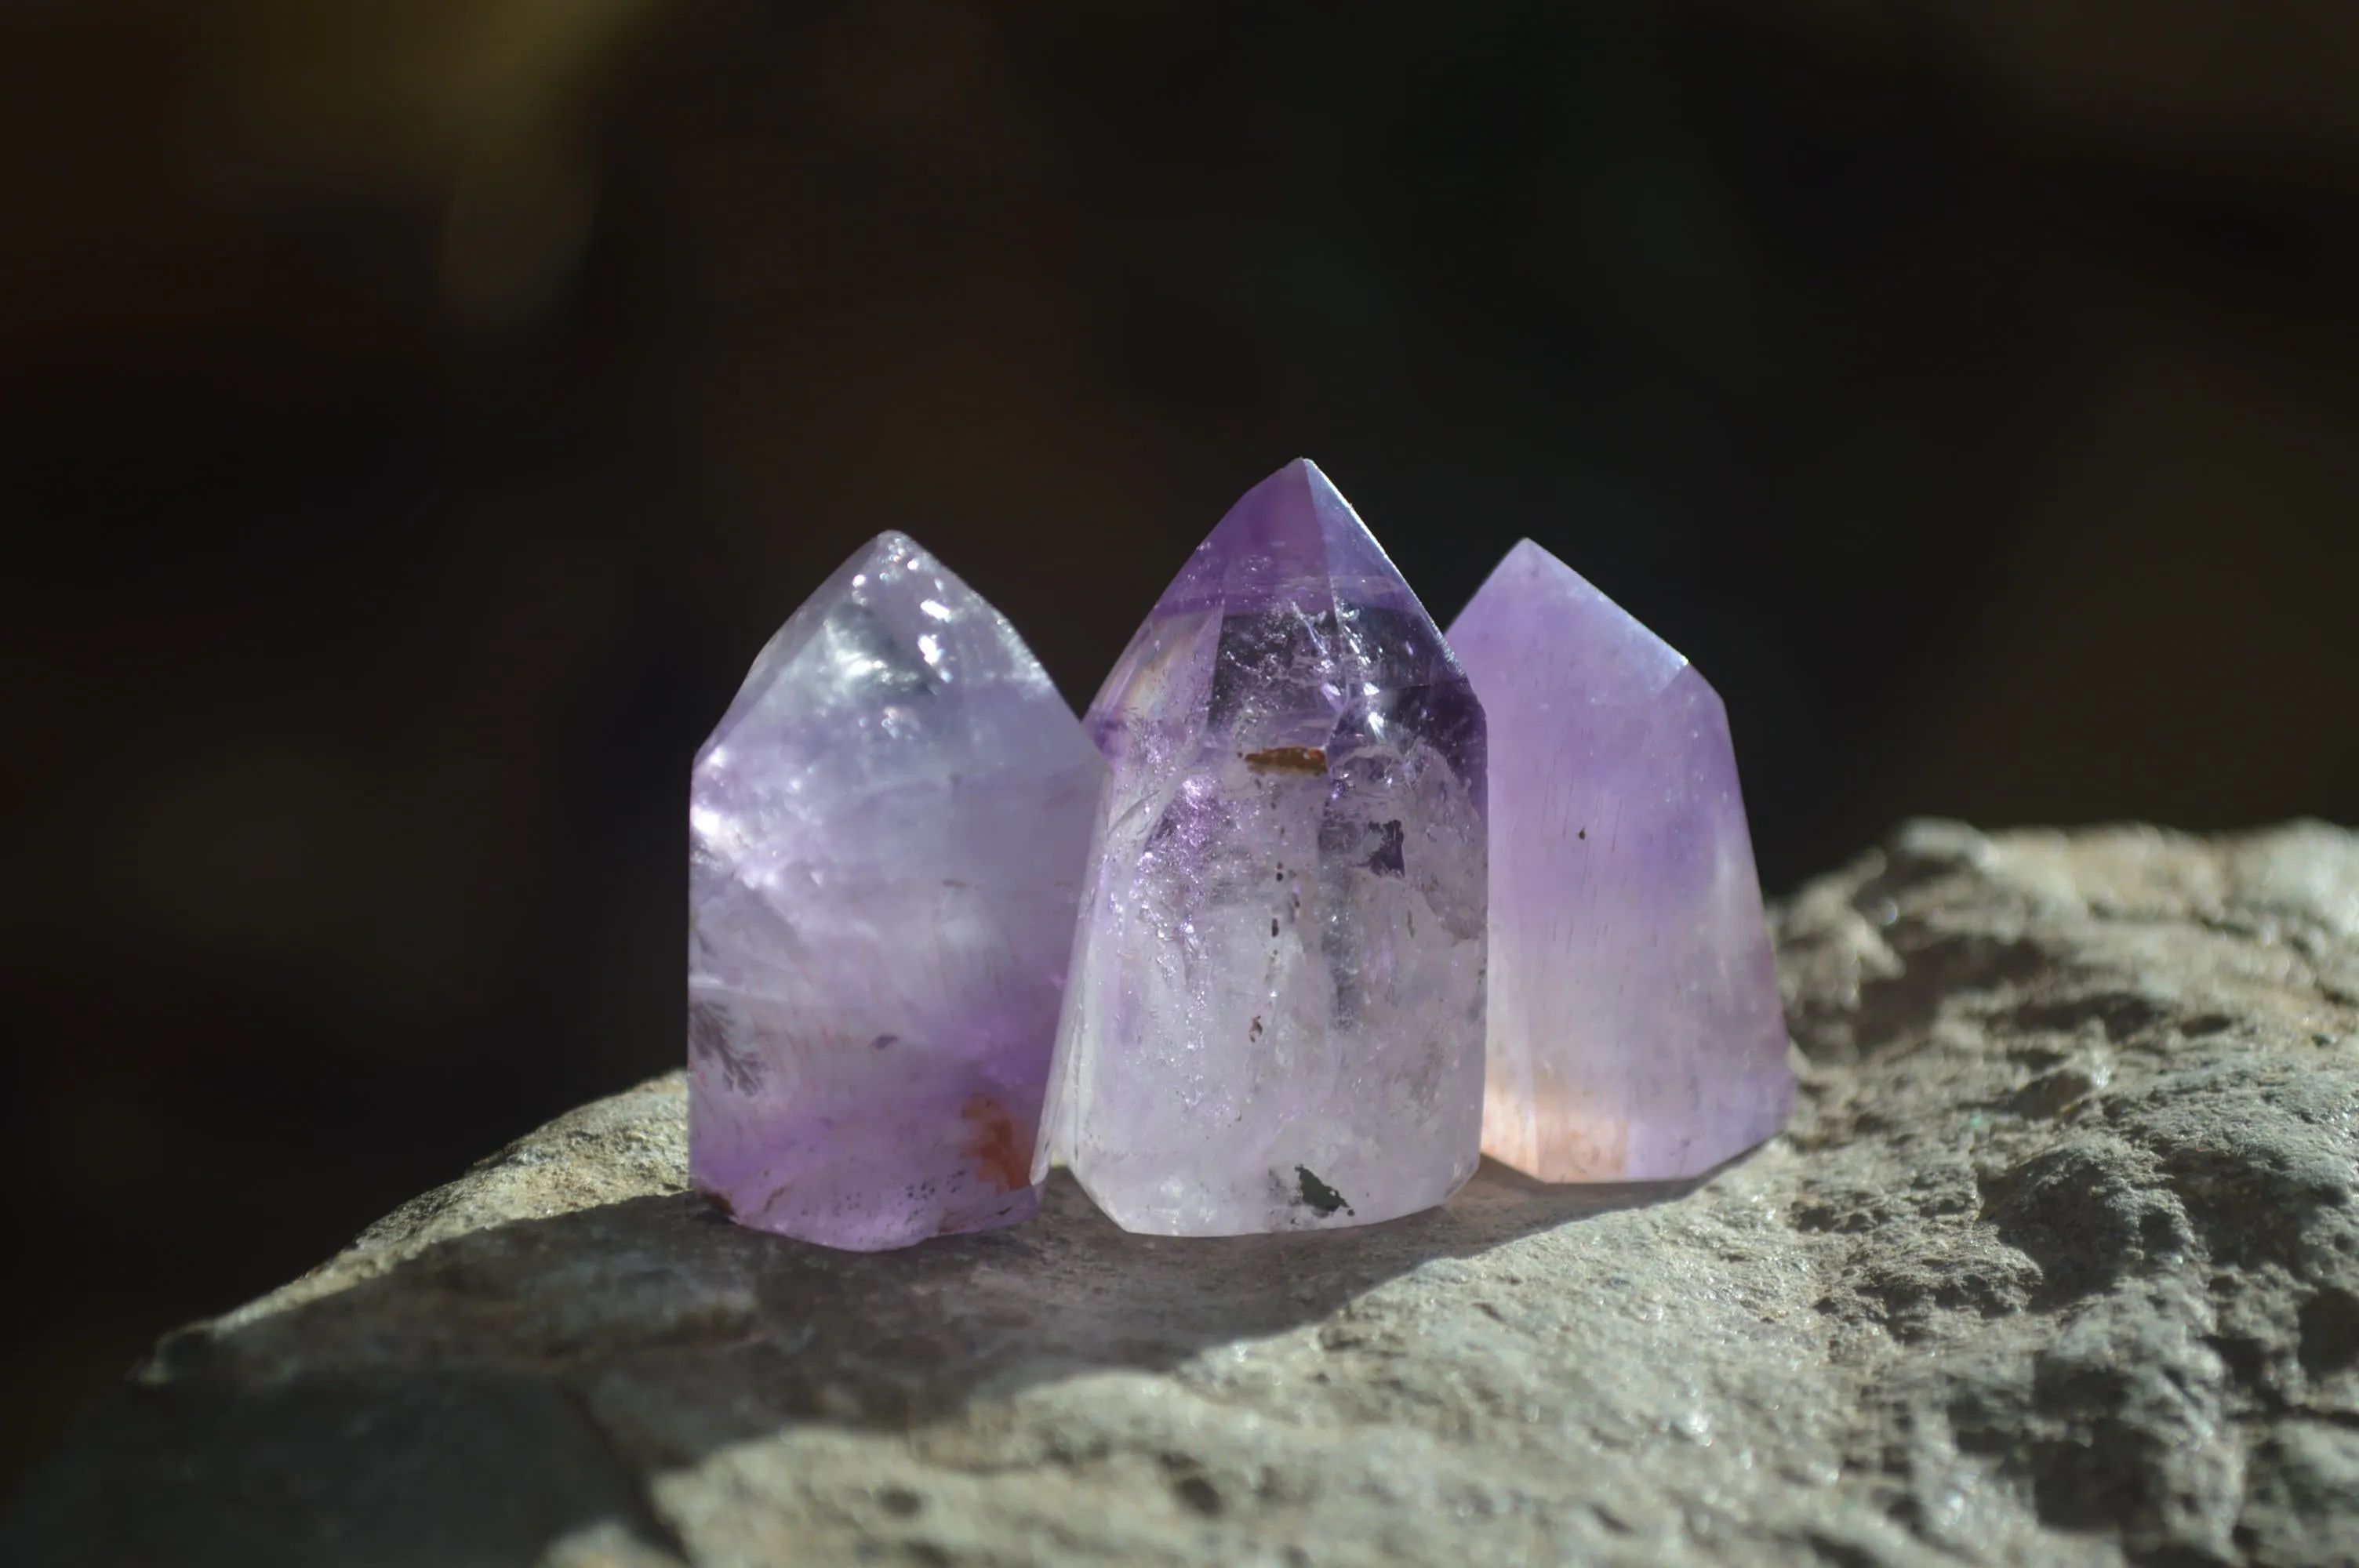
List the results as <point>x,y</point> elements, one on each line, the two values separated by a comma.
<point>1307,760</point>
<point>1001,1154</point>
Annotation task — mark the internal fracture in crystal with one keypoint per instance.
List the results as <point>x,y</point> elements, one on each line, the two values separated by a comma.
<point>887,832</point>
<point>1276,1013</point>
<point>1635,1031</point>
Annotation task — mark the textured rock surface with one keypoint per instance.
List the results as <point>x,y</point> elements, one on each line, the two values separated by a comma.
<point>2058,1264</point>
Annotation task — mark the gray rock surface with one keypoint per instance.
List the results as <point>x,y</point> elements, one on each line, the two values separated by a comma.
<point>2058,1264</point>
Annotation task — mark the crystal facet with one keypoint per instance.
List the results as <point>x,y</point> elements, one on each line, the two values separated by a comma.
<point>885,833</point>
<point>1276,1014</point>
<point>1635,1027</point>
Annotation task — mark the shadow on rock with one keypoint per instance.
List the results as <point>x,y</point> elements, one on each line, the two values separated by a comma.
<point>513,1387</point>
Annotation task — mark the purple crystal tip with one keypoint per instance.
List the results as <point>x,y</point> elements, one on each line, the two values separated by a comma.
<point>886,835</point>
<point>1635,1031</point>
<point>1276,1013</point>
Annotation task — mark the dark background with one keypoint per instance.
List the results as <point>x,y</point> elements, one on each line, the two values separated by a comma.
<point>413,417</point>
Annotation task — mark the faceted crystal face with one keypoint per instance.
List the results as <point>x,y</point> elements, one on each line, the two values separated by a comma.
<point>1276,1014</point>
<point>886,836</point>
<point>1635,1031</point>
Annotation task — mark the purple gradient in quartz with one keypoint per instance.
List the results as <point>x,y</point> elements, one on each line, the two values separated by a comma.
<point>1636,1033</point>
<point>1276,1014</point>
<point>886,835</point>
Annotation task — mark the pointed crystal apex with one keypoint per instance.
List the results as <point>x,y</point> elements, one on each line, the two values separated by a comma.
<point>1621,658</point>
<point>800,627</point>
<point>887,832</point>
<point>1274,1018</point>
<point>1634,1029</point>
<point>1271,547</point>
<point>1291,540</point>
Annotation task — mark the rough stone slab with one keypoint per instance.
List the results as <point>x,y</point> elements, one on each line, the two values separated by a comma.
<point>2058,1264</point>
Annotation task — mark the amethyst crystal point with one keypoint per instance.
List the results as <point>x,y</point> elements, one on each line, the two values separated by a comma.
<point>885,834</point>
<point>1634,1028</point>
<point>1276,1014</point>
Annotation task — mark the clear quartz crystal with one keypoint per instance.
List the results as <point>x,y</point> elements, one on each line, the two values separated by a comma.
<point>885,834</point>
<point>1276,1014</point>
<point>1635,1031</point>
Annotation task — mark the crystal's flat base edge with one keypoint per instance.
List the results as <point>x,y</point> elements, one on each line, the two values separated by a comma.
<point>1021,1206</point>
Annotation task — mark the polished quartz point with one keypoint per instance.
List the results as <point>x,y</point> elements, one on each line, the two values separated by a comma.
<point>885,834</point>
<point>1276,1014</point>
<point>1634,1026</point>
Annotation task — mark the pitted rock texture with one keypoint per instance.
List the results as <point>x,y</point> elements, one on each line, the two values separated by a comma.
<point>2058,1264</point>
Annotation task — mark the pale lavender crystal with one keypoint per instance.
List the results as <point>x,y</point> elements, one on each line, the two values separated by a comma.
<point>885,834</point>
<point>1276,1014</point>
<point>1635,1027</point>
